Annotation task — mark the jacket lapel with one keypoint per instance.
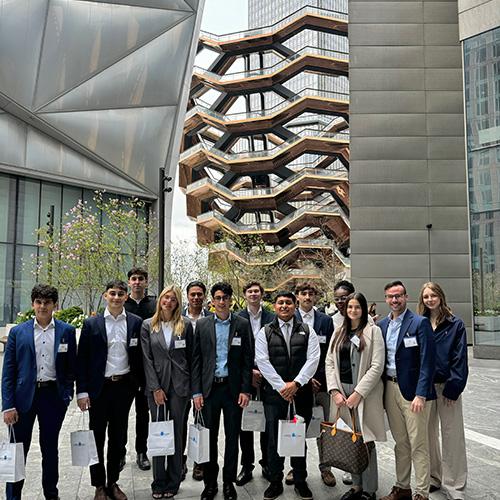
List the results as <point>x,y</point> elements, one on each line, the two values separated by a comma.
<point>31,338</point>
<point>57,338</point>
<point>404,326</point>
<point>101,325</point>
<point>232,330</point>
<point>161,339</point>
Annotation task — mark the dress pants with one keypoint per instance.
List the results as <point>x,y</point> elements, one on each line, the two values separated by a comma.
<point>141,422</point>
<point>410,432</point>
<point>448,471</point>
<point>168,480</point>
<point>221,399</point>
<point>323,399</point>
<point>109,411</point>
<point>49,409</point>
<point>247,445</point>
<point>276,409</point>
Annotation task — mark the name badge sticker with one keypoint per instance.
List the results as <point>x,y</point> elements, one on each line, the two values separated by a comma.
<point>322,339</point>
<point>62,347</point>
<point>301,332</point>
<point>180,344</point>
<point>355,340</point>
<point>133,342</point>
<point>236,341</point>
<point>410,341</point>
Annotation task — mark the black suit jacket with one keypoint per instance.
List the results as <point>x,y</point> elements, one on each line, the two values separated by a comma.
<point>323,326</point>
<point>93,354</point>
<point>265,318</point>
<point>240,358</point>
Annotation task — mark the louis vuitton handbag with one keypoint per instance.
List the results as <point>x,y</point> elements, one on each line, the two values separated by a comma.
<point>342,449</point>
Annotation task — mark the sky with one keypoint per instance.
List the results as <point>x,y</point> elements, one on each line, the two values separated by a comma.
<point>219,17</point>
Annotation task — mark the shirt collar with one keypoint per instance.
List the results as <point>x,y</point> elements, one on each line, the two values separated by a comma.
<point>37,325</point>
<point>255,316</point>
<point>289,322</point>
<point>307,314</point>
<point>123,314</point>
<point>400,318</point>
<point>223,321</point>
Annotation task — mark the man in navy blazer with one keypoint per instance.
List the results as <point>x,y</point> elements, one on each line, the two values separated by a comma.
<point>37,382</point>
<point>307,296</point>
<point>258,317</point>
<point>409,388</point>
<point>109,372</point>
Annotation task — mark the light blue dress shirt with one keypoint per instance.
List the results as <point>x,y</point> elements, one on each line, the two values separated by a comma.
<point>391,342</point>
<point>222,346</point>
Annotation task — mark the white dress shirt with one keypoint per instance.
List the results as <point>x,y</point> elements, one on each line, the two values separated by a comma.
<point>255,321</point>
<point>307,317</point>
<point>338,320</point>
<point>44,351</point>
<point>267,369</point>
<point>391,342</point>
<point>166,326</point>
<point>116,331</point>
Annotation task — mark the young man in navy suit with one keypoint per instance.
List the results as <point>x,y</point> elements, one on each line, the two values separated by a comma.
<point>258,317</point>
<point>37,382</point>
<point>307,296</point>
<point>109,372</point>
<point>409,388</point>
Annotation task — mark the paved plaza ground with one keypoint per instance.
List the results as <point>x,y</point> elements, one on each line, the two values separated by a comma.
<point>482,427</point>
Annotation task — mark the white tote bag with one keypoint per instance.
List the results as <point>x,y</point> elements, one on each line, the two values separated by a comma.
<point>198,440</point>
<point>314,427</point>
<point>83,448</point>
<point>291,437</point>
<point>11,459</point>
<point>161,441</point>
<point>253,417</point>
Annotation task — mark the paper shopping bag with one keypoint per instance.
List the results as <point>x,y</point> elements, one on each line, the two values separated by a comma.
<point>11,460</point>
<point>198,441</point>
<point>83,448</point>
<point>314,427</point>
<point>291,439</point>
<point>161,439</point>
<point>253,418</point>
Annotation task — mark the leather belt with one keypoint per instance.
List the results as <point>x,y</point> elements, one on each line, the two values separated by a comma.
<point>220,380</point>
<point>391,379</point>
<point>45,383</point>
<point>116,378</point>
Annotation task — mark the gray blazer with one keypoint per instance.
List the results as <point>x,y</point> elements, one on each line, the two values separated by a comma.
<point>165,366</point>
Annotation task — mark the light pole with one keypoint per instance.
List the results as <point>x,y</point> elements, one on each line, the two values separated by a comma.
<point>163,188</point>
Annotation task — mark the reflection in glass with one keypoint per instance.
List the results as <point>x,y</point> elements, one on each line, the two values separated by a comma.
<point>482,96</point>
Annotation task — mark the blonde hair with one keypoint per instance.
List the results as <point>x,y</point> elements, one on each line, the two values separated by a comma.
<point>444,309</point>
<point>177,321</point>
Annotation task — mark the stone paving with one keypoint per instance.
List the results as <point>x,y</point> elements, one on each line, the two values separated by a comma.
<point>482,417</point>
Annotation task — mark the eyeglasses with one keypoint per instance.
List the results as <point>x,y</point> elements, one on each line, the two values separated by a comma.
<point>395,296</point>
<point>221,298</point>
<point>340,299</point>
<point>112,293</point>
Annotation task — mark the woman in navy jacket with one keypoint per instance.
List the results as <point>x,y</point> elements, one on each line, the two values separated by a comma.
<point>448,472</point>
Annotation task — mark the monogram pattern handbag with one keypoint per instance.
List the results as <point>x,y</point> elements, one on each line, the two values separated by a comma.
<point>342,449</point>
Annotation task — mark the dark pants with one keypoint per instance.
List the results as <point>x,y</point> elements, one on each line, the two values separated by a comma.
<point>185,429</point>
<point>275,410</point>
<point>110,412</point>
<point>141,422</point>
<point>247,449</point>
<point>220,399</point>
<point>50,410</point>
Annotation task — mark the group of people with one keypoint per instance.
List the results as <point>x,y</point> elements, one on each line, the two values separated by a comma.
<point>410,367</point>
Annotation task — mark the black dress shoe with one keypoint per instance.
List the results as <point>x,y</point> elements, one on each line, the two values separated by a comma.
<point>229,491</point>
<point>244,477</point>
<point>123,461</point>
<point>274,490</point>
<point>209,492</point>
<point>303,491</point>
<point>142,461</point>
<point>352,494</point>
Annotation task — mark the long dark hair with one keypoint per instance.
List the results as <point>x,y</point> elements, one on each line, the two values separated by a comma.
<point>342,333</point>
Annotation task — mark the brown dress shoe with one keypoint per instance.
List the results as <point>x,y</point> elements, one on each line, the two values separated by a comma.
<point>116,493</point>
<point>418,496</point>
<point>398,493</point>
<point>100,493</point>
<point>328,478</point>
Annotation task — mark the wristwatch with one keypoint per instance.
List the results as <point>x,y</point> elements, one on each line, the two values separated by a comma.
<point>298,384</point>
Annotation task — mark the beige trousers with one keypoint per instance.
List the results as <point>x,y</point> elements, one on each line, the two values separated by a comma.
<point>409,430</point>
<point>449,471</point>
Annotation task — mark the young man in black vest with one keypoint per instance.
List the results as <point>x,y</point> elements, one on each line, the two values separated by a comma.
<point>287,353</point>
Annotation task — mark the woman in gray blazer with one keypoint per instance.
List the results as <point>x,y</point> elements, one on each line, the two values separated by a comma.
<point>167,346</point>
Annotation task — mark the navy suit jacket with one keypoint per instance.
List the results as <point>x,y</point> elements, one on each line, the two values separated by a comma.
<point>93,354</point>
<point>265,318</point>
<point>323,326</point>
<point>414,365</point>
<point>19,365</point>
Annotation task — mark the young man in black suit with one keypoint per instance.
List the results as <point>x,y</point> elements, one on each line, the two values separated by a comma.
<point>258,317</point>
<point>109,371</point>
<point>222,375</point>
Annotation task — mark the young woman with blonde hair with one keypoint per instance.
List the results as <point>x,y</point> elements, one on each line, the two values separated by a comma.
<point>448,471</point>
<point>167,345</point>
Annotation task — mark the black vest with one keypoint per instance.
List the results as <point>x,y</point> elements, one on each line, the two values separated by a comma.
<point>286,365</point>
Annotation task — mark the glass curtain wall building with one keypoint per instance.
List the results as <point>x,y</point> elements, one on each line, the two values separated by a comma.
<point>482,99</point>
